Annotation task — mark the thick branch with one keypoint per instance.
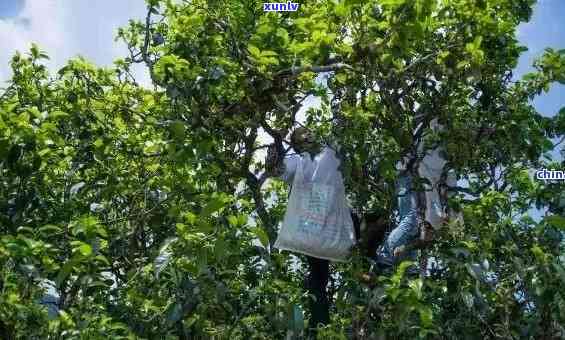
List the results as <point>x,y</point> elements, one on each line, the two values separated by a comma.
<point>315,69</point>
<point>254,184</point>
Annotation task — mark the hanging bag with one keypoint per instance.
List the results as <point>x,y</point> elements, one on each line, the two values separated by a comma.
<point>317,221</point>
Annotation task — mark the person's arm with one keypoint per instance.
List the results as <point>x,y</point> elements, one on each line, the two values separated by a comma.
<point>284,168</point>
<point>273,164</point>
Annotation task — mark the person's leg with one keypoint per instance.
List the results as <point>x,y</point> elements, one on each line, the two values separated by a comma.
<point>407,228</point>
<point>317,287</point>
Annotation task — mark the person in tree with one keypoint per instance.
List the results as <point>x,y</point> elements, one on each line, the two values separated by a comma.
<point>403,241</point>
<point>409,235</point>
<point>321,224</point>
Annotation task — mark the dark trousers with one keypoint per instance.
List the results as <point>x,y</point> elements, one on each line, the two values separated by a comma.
<point>316,285</point>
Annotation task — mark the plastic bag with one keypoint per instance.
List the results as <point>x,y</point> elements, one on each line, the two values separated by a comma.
<point>317,221</point>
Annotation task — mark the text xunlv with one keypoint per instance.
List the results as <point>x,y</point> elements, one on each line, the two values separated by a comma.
<point>280,7</point>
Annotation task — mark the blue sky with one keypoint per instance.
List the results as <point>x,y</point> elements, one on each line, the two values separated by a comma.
<point>10,8</point>
<point>545,29</point>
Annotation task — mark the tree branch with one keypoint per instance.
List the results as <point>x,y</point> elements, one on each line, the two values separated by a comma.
<point>145,48</point>
<point>315,69</point>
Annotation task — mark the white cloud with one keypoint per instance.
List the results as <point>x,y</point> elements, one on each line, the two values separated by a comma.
<point>67,28</point>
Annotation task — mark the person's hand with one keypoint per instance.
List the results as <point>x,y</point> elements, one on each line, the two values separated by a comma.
<point>366,278</point>
<point>427,233</point>
<point>399,251</point>
<point>271,153</point>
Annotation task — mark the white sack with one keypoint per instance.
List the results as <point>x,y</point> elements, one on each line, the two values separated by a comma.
<point>431,168</point>
<point>317,221</point>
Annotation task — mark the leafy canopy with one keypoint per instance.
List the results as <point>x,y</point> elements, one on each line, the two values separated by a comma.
<point>150,215</point>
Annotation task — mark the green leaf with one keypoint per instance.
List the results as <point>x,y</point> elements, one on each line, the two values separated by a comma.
<point>254,51</point>
<point>242,220</point>
<point>98,284</point>
<point>538,253</point>
<point>264,28</point>
<point>426,315</point>
<point>28,230</point>
<point>268,61</point>
<point>341,9</point>
<point>101,231</point>
<point>556,221</point>
<point>34,50</point>
<point>283,34</point>
<point>102,259</point>
<point>44,152</point>
<point>462,64</point>
<point>178,130</point>
<point>58,114</point>
<point>268,53</point>
<point>261,235</point>
<point>341,77</point>
<point>232,220</point>
<point>399,273</point>
<point>66,319</point>
<point>189,218</point>
<point>98,143</point>
<point>416,286</point>
<point>65,271</point>
<point>219,247</point>
<point>215,204</point>
<point>49,229</point>
<point>85,249</point>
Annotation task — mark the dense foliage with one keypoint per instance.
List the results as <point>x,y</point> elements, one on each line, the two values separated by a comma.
<point>148,213</point>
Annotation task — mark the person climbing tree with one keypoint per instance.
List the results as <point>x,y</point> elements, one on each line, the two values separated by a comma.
<point>317,221</point>
<point>407,229</point>
<point>430,201</point>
